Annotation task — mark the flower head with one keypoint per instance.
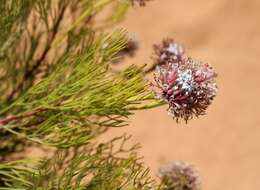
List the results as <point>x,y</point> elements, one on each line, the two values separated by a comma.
<point>169,51</point>
<point>179,176</point>
<point>186,85</point>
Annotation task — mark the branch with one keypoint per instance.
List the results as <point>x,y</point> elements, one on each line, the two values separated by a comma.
<point>48,45</point>
<point>29,73</point>
<point>11,118</point>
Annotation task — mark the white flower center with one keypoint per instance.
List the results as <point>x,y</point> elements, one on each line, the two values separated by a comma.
<point>185,79</point>
<point>174,49</point>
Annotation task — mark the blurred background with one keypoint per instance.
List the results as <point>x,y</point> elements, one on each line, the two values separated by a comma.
<point>225,144</point>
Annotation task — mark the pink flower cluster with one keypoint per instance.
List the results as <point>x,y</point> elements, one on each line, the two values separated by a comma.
<point>186,85</point>
<point>179,176</point>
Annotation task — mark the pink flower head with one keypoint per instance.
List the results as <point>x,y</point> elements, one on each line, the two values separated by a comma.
<point>169,51</point>
<point>187,86</point>
<point>179,176</point>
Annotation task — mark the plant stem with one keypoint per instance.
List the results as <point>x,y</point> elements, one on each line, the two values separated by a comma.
<point>29,73</point>
<point>11,118</point>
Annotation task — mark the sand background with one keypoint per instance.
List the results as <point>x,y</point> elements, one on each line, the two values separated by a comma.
<point>225,144</point>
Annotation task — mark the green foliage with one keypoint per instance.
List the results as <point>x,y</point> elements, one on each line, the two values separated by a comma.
<point>100,167</point>
<point>78,89</point>
<point>13,16</point>
<point>57,89</point>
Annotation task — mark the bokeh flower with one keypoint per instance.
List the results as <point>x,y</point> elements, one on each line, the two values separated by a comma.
<point>140,2</point>
<point>179,175</point>
<point>130,49</point>
<point>186,85</point>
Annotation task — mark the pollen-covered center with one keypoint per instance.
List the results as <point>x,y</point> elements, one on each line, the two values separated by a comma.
<point>173,48</point>
<point>185,80</point>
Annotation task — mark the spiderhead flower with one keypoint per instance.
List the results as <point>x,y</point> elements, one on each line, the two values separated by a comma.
<point>169,51</point>
<point>179,176</point>
<point>186,85</point>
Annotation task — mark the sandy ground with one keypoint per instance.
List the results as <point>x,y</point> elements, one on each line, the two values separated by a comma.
<point>225,144</point>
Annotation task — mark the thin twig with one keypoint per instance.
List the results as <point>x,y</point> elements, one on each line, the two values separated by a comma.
<point>11,118</point>
<point>28,73</point>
